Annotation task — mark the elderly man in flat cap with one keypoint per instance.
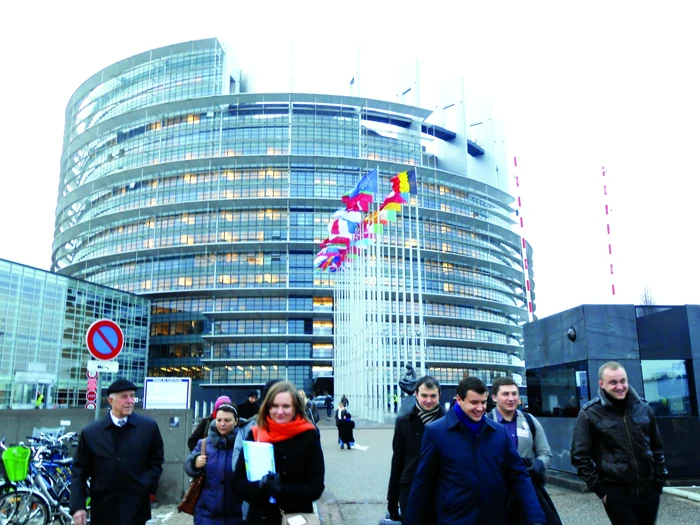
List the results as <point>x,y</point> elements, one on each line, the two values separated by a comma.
<point>122,456</point>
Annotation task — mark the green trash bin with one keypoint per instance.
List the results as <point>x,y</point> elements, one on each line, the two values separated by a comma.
<point>16,461</point>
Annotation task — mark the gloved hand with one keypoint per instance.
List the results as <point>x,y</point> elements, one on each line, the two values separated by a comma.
<point>538,471</point>
<point>271,484</point>
<point>393,508</point>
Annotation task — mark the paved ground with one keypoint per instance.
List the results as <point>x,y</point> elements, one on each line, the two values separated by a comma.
<point>356,482</point>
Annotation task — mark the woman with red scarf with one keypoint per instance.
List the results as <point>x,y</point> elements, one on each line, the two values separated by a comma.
<point>299,462</point>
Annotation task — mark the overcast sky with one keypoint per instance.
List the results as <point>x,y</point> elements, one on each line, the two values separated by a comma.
<point>604,83</point>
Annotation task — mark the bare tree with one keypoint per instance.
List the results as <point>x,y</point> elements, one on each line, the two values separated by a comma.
<point>647,301</point>
<point>647,297</point>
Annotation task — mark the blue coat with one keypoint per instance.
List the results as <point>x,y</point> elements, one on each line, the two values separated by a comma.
<point>217,504</point>
<point>469,475</point>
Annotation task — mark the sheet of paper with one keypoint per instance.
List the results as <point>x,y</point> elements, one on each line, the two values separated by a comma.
<point>259,459</point>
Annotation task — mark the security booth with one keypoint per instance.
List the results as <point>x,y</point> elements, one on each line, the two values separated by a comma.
<point>660,350</point>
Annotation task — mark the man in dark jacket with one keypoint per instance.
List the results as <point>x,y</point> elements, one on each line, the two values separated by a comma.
<point>618,451</point>
<point>249,408</point>
<point>122,455</point>
<point>468,465</point>
<point>408,434</point>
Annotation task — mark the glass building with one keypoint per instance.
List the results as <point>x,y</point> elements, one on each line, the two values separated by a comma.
<point>44,319</point>
<point>189,182</point>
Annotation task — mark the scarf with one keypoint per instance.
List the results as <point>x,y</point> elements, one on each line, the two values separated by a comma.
<point>276,432</point>
<point>468,422</point>
<point>426,416</point>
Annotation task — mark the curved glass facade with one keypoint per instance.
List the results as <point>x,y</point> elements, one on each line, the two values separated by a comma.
<point>212,203</point>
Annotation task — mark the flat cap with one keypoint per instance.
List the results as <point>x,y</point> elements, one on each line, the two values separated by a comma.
<point>121,385</point>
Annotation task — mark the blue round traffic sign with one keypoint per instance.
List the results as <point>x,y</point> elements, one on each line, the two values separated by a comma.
<point>104,339</point>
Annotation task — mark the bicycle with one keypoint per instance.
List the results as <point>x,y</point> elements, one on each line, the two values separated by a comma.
<point>44,496</point>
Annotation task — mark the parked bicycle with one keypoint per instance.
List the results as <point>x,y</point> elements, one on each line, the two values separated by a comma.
<point>43,496</point>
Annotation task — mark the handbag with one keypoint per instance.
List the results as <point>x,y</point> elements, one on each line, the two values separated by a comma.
<point>189,500</point>
<point>303,518</point>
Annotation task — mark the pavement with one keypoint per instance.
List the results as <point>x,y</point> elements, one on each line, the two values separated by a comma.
<point>356,482</point>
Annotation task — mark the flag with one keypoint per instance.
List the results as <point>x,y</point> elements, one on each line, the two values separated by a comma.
<point>405,182</point>
<point>393,201</point>
<point>413,183</point>
<point>359,202</point>
<point>350,216</point>
<point>367,184</point>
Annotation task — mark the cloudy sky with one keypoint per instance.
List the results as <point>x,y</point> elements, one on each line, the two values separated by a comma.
<point>602,83</point>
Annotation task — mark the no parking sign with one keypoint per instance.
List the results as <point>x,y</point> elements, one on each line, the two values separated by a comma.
<point>104,339</point>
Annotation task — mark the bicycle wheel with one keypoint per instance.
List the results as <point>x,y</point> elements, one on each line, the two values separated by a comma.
<point>23,508</point>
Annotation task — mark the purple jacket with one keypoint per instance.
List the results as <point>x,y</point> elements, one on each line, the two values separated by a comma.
<point>217,504</point>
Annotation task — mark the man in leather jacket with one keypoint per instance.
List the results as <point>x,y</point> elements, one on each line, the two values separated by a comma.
<point>618,451</point>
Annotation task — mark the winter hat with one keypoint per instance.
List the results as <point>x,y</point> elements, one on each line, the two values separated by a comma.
<point>121,385</point>
<point>253,393</point>
<point>220,401</point>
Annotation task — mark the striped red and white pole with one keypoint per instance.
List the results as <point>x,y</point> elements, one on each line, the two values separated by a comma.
<point>607,227</point>
<point>523,243</point>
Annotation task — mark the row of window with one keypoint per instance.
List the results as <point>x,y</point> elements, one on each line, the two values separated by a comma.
<point>179,76</point>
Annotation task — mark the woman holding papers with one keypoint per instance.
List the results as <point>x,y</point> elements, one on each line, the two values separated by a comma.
<point>217,505</point>
<point>297,480</point>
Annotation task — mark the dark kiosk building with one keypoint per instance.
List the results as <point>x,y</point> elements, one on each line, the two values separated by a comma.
<point>659,346</point>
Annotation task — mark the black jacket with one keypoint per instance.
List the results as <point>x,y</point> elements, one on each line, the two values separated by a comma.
<point>408,436</point>
<point>345,433</point>
<point>198,432</point>
<point>299,461</point>
<point>610,448</point>
<point>248,410</point>
<point>123,465</point>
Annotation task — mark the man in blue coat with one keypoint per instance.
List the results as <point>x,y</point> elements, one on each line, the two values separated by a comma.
<point>468,465</point>
<point>122,455</point>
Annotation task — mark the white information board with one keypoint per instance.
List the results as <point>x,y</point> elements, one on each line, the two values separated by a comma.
<point>167,393</point>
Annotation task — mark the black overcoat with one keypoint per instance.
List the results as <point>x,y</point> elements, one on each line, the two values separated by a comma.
<point>408,436</point>
<point>299,461</point>
<point>123,466</point>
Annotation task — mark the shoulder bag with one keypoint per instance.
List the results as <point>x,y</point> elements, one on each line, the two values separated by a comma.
<point>189,500</point>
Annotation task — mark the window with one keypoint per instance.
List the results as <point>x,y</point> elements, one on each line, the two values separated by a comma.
<point>558,391</point>
<point>667,388</point>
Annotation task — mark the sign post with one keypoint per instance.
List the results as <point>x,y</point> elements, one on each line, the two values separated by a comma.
<point>105,341</point>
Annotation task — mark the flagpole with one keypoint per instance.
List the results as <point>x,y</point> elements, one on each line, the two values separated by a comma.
<point>419,264</point>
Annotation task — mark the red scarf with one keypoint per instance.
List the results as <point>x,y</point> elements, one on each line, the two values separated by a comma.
<point>276,432</point>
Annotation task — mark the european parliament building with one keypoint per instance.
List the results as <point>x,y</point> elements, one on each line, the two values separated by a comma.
<point>192,183</point>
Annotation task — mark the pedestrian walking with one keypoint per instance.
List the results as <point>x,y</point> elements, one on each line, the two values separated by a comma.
<point>617,450</point>
<point>201,429</point>
<point>468,465</point>
<point>408,435</point>
<point>329,406</point>
<point>530,440</point>
<point>311,410</point>
<point>345,431</point>
<point>122,456</point>
<point>300,468</point>
<point>217,504</point>
<point>344,401</point>
<point>248,409</point>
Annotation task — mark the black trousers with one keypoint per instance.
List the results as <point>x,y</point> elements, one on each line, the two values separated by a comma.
<point>633,506</point>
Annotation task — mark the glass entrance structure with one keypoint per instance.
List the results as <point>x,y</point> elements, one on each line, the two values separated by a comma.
<point>44,319</point>
<point>179,185</point>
